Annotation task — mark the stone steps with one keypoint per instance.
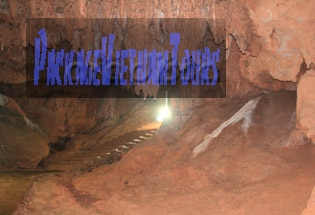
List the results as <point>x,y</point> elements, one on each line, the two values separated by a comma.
<point>103,154</point>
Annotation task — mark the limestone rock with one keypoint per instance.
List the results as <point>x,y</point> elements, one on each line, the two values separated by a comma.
<point>287,45</point>
<point>306,104</point>
<point>20,146</point>
<point>310,209</point>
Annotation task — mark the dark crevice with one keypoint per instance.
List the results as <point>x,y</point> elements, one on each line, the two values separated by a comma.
<point>60,145</point>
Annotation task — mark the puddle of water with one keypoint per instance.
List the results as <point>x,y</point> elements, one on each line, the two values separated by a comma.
<point>13,186</point>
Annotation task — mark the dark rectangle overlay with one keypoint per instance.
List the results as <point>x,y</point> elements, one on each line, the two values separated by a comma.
<point>125,58</point>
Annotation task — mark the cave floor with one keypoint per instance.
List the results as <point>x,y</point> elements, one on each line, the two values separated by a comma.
<point>239,174</point>
<point>14,184</point>
<point>285,192</point>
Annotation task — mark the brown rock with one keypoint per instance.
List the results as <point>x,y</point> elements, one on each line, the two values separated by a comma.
<point>21,147</point>
<point>310,209</point>
<point>287,45</point>
<point>306,104</point>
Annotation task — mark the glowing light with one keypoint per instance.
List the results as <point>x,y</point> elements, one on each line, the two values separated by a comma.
<point>164,113</point>
<point>159,118</point>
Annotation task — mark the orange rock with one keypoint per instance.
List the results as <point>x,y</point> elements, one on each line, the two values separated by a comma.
<point>306,104</point>
<point>310,209</point>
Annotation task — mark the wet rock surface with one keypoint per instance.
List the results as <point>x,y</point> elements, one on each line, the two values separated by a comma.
<point>13,186</point>
<point>20,146</point>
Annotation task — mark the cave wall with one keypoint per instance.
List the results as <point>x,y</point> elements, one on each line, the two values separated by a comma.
<point>269,43</point>
<point>239,26</point>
